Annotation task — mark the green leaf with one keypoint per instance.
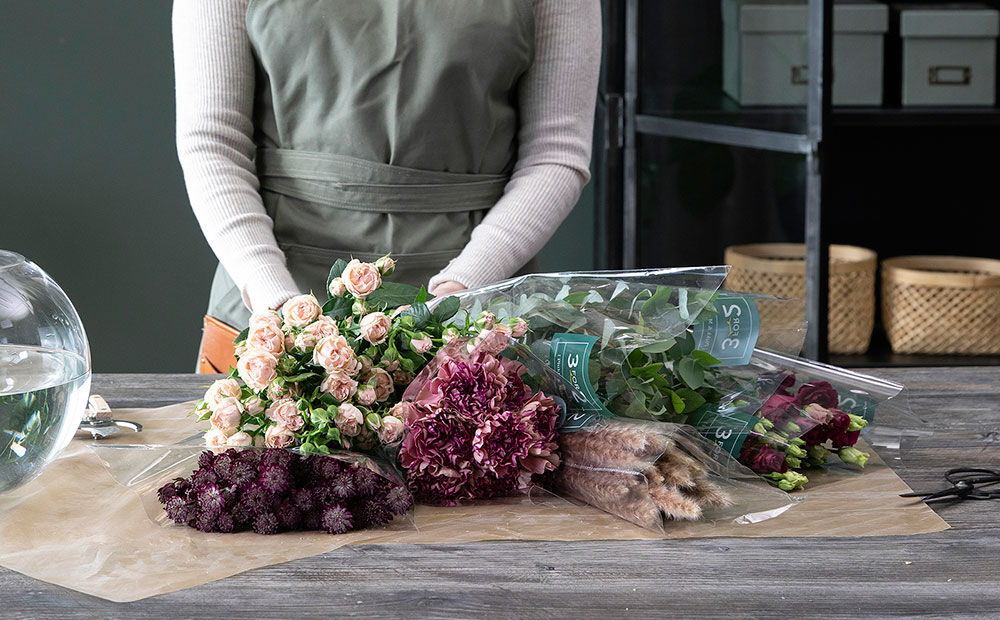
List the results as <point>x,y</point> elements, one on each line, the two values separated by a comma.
<point>691,373</point>
<point>242,336</point>
<point>322,449</point>
<point>300,377</point>
<point>333,435</point>
<point>420,313</point>
<point>393,295</point>
<point>319,416</point>
<point>335,271</point>
<point>446,309</point>
<point>307,448</point>
<point>338,308</point>
<point>692,399</point>
<point>421,296</point>
<point>705,359</point>
<point>676,401</point>
<point>659,346</point>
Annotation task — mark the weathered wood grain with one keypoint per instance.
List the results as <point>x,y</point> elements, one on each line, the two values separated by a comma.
<point>950,574</point>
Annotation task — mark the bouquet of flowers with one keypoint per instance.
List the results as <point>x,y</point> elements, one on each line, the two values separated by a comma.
<point>475,428</point>
<point>273,490</point>
<point>328,376</point>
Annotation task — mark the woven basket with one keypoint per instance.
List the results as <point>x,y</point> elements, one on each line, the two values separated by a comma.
<point>941,304</point>
<point>779,269</point>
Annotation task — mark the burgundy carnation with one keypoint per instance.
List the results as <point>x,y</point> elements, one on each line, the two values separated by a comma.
<point>780,409</point>
<point>762,458</point>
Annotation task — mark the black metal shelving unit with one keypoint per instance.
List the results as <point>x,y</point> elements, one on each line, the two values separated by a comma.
<point>707,116</point>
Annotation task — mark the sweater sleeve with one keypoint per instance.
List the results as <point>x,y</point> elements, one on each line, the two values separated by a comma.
<point>214,75</point>
<point>557,101</point>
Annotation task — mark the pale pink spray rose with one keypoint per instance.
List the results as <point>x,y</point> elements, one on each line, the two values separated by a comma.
<point>375,327</point>
<point>518,327</point>
<point>215,438</point>
<point>391,430</point>
<point>339,385</point>
<point>366,395</point>
<point>495,340</point>
<point>239,439</point>
<point>383,385</point>
<point>301,310</point>
<point>486,320</point>
<point>264,337</point>
<point>422,343</point>
<point>366,364</point>
<point>402,377</point>
<point>253,406</point>
<point>268,317</point>
<point>223,388</point>
<point>333,353</point>
<point>337,288</point>
<point>286,413</point>
<point>227,415</point>
<point>349,419</point>
<point>404,410</point>
<point>257,369</point>
<point>278,436</point>
<point>361,279</point>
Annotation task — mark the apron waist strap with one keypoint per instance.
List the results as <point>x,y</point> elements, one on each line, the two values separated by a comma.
<point>360,185</point>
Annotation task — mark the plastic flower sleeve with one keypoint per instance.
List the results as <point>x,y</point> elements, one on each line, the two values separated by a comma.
<point>642,344</point>
<point>652,473</point>
<point>256,489</point>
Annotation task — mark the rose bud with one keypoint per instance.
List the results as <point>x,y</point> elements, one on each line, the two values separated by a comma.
<point>451,334</point>
<point>223,388</point>
<point>240,439</point>
<point>392,429</point>
<point>375,327</point>
<point>486,320</point>
<point>278,437</point>
<point>349,419</point>
<point>422,343</point>
<point>337,288</point>
<point>366,396</point>
<point>385,265</point>
<point>518,327</point>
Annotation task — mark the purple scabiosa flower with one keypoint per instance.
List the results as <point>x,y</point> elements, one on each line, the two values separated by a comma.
<point>342,486</point>
<point>303,499</point>
<point>277,456</point>
<point>289,516</point>
<point>256,499</point>
<point>336,519</point>
<point>206,459</point>
<point>370,512</point>
<point>225,523</point>
<point>274,479</point>
<point>327,467</point>
<point>242,472</point>
<point>398,500</point>
<point>242,515</point>
<point>366,482</point>
<point>266,523</point>
<point>180,510</point>
<point>203,478</point>
<point>210,500</point>
<point>205,522</point>
<point>221,467</point>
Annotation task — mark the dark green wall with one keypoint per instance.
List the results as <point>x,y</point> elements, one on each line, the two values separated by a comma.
<point>90,187</point>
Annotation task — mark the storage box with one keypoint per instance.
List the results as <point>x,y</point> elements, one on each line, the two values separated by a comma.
<point>949,54</point>
<point>766,50</point>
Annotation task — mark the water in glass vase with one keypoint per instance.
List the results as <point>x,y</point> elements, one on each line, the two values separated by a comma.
<point>43,394</point>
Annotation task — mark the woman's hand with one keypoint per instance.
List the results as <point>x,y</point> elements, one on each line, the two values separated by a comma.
<point>447,288</point>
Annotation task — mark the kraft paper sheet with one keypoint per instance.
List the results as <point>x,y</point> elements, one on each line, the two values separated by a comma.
<point>76,527</point>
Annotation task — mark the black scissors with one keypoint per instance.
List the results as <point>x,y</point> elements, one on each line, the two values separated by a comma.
<point>966,483</point>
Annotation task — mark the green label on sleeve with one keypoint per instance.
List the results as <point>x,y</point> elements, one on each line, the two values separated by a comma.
<point>569,356</point>
<point>727,429</point>
<point>858,403</point>
<point>731,334</point>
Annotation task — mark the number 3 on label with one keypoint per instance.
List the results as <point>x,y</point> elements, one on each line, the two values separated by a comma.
<point>723,434</point>
<point>730,342</point>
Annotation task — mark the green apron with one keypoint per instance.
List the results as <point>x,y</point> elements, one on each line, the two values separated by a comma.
<point>381,126</point>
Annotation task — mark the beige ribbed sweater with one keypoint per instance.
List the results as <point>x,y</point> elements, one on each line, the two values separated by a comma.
<point>214,70</point>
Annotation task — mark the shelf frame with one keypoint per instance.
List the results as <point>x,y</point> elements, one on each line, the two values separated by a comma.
<point>813,144</point>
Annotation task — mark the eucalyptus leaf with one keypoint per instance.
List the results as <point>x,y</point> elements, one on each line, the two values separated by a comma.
<point>704,358</point>
<point>692,399</point>
<point>691,373</point>
<point>658,347</point>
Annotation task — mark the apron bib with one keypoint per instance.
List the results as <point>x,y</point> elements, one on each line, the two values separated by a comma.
<point>381,126</point>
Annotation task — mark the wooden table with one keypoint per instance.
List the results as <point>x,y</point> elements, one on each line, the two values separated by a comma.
<point>955,573</point>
